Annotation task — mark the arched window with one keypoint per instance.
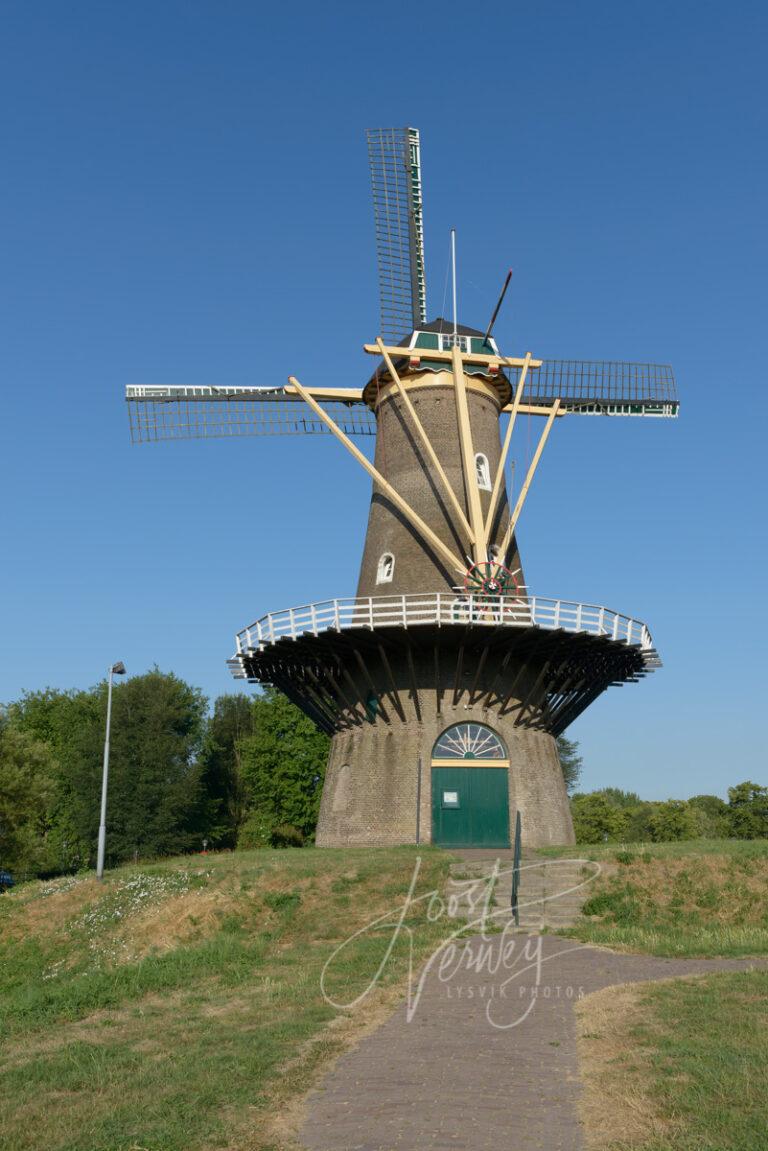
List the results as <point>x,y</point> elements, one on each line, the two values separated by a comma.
<point>483,472</point>
<point>469,741</point>
<point>386,568</point>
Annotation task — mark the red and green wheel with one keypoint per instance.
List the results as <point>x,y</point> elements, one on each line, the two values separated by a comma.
<point>490,580</point>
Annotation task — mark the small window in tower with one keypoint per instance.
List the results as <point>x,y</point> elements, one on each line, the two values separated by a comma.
<point>386,568</point>
<point>449,340</point>
<point>483,472</point>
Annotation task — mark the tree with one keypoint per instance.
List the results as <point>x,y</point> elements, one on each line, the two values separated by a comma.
<point>623,799</point>
<point>155,790</point>
<point>26,788</point>
<point>570,762</point>
<point>712,814</point>
<point>283,765</point>
<point>748,810</point>
<point>673,820</point>
<point>70,725</point>
<point>155,793</point>
<point>596,820</point>
<point>221,773</point>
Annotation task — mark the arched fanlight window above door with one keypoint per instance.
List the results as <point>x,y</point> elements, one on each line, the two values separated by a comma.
<point>469,741</point>
<point>483,472</point>
<point>386,568</point>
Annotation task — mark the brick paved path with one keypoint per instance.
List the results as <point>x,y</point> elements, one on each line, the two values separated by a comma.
<point>451,1079</point>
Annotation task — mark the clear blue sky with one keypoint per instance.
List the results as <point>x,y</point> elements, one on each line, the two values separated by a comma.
<point>184,199</point>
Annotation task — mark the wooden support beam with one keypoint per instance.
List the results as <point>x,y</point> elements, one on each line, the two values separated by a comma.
<point>513,687</point>
<point>427,444</point>
<point>318,714</point>
<point>369,680</point>
<point>457,678</point>
<point>467,357</point>
<point>536,410</point>
<point>438,689</point>
<point>502,668</point>
<point>328,704</point>
<point>351,705</point>
<point>577,706</point>
<point>566,702</point>
<point>471,487</point>
<point>345,395</point>
<point>531,700</point>
<point>499,480</point>
<point>402,505</point>
<point>355,688</point>
<point>526,485</point>
<point>394,695</point>
<point>478,673</point>
<point>414,681</point>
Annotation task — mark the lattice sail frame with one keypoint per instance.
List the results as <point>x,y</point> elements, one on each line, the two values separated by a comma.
<point>201,412</point>
<point>584,387</point>
<point>395,161</point>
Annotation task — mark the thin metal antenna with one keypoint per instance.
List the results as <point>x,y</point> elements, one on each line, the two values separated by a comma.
<point>453,271</point>
<point>498,306</point>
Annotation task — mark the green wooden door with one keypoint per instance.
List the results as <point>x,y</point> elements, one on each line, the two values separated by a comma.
<point>470,806</point>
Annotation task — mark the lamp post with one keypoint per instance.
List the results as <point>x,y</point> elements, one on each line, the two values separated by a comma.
<point>115,669</point>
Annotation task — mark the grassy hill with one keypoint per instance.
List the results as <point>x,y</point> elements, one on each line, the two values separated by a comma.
<point>175,1006</point>
<point>698,897</point>
<point>178,1006</point>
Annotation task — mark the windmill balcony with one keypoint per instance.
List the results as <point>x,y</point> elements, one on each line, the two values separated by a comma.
<point>443,609</point>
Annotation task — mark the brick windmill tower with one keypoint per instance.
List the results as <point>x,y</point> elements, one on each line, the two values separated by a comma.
<point>445,680</point>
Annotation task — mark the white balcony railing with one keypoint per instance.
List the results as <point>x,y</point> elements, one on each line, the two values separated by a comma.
<point>442,608</point>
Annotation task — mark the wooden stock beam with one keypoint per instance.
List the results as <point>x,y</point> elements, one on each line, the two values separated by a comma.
<point>427,443</point>
<point>498,482</point>
<point>526,485</point>
<point>467,357</point>
<point>480,546</point>
<point>402,505</point>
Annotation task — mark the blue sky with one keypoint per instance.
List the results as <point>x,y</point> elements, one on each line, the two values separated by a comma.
<point>185,200</point>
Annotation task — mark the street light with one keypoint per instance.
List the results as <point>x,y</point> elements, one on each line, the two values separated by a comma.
<point>115,669</point>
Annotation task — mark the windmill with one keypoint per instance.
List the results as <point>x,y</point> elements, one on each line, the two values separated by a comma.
<point>445,680</point>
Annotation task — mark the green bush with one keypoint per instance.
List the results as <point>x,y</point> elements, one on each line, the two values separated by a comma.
<point>282,900</point>
<point>596,820</point>
<point>286,835</point>
<point>617,905</point>
<point>673,820</point>
<point>256,831</point>
<point>748,810</point>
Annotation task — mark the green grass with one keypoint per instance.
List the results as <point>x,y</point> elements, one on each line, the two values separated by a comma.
<point>161,1009</point>
<point>678,899</point>
<point>698,1061</point>
<point>747,848</point>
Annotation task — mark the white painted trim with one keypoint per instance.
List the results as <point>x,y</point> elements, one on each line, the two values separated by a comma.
<point>443,608</point>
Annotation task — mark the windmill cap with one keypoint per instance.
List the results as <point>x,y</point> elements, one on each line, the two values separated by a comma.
<point>425,338</point>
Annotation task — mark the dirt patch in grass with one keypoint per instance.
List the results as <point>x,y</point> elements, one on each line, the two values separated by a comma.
<point>616,1106</point>
<point>42,909</point>
<point>676,1064</point>
<point>190,917</point>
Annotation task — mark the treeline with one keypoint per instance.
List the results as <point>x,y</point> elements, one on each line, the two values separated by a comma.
<point>614,816</point>
<point>246,773</point>
<point>249,773</point>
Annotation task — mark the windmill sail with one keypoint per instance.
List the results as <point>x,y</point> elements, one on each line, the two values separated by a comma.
<point>395,160</point>
<point>185,412</point>
<point>603,387</point>
<point>182,412</point>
